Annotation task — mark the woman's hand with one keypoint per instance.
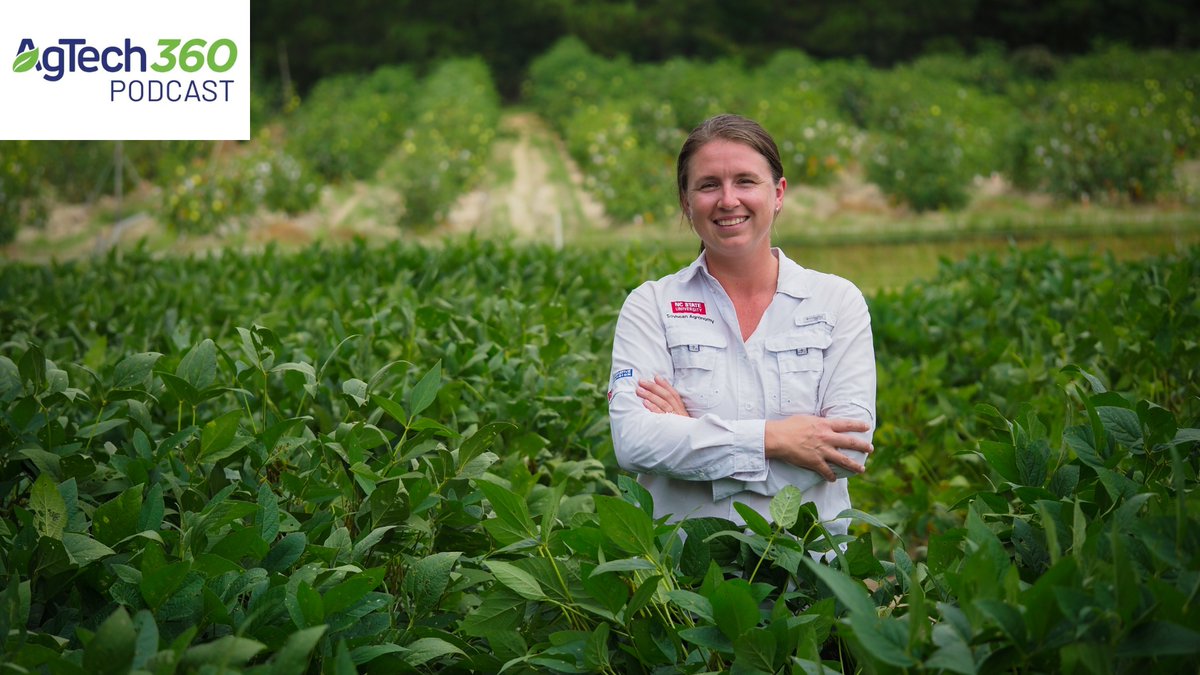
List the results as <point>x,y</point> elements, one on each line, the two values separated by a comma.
<point>660,397</point>
<point>813,443</point>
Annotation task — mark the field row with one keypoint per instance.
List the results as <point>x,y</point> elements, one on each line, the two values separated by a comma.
<point>407,465</point>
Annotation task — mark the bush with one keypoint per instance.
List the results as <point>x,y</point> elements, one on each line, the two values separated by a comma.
<point>349,124</point>
<point>441,153</point>
<point>22,188</point>
<point>1099,141</point>
<point>224,191</point>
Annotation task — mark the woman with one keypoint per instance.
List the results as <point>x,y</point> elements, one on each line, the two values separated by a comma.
<point>743,372</point>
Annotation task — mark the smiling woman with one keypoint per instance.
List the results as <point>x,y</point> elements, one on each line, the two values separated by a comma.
<point>744,372</point>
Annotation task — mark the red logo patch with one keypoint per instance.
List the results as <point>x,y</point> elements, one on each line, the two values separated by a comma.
<point>688,308</point>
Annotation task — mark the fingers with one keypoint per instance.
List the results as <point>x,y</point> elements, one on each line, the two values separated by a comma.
<point>658,396</point>
<point>843,425</point>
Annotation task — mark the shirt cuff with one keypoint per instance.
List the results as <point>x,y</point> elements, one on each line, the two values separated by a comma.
<point>748,458</point>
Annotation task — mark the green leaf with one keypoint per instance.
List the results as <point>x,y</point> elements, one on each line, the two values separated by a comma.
<point>595,651</point>
<point>953,652</point>
<point>1157,639</point>
<point>199,366</point>
<point>852,595</point>
<point>146,644</point>
<point>884,639</point>
<point>118,517</point>
<point>99,428</point>
<point>427,579</point>
<point>268,513</point>
<point>392,408</point>
<point>626,526</point>
<point>293,657</point>
<point>304,605</point>
<point>355,389</point>
<point>426,649</point>
<point>48,507</point>
<point>623,565</point>
<point>754,652</point>
<point>1032,460</point>
<point>218,434</point>
<point>26,60</point>
<point>692,602</point>
<point>134,370</point>
<point>516,579</point>
<point>150,516</point>
<point>734,608</point>
<point>510,509</point>
<point>502,609</point>
<point>346,594</point>
<point>642,596</point>
<point>224,651</point>
<point>754,520</point>
<point>285,552</point>
<point>32,367</point>
<point>1122,424</point>
<point>426,390</point>
<point>159,584</point>
<point>1002,458</point>
<point>785,506</point>
<point>709,637</point>
<point>481,440</point>
<point>112,647</point>
<point>83,550</point>
<point>10,379</point>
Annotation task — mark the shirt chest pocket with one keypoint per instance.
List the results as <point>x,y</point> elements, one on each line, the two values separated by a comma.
<point>696,357</point>
<point>800,362</point>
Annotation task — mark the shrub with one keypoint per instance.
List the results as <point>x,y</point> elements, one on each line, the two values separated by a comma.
<point>441,152</point>
<point>349,124</point>
<point>22,187</point>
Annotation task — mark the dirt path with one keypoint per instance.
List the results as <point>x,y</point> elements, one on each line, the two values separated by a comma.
<point>532,188</point>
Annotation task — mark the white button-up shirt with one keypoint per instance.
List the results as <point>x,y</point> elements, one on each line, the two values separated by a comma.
<point>811,354</point>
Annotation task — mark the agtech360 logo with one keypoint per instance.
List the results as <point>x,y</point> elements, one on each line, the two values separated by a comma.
<point>70,56</point>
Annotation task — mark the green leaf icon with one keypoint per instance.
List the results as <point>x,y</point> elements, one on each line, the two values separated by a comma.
<point>26,60</point>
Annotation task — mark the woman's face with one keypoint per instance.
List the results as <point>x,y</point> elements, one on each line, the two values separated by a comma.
<point>731,198</point>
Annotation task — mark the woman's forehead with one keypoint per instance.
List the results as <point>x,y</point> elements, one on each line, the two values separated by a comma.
<point>722,156</point>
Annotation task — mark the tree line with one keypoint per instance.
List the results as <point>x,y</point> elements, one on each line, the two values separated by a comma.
<point>298,42</point>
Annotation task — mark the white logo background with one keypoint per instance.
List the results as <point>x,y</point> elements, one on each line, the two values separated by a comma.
<point>78,107</point>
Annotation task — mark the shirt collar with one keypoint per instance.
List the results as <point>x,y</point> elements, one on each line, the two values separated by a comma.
<point>792,277</point>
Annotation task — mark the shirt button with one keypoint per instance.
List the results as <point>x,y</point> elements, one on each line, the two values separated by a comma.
<point>748,406</point>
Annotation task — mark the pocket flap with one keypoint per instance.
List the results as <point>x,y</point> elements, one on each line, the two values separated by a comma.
<point>685,336</point>
<point>804,340</point>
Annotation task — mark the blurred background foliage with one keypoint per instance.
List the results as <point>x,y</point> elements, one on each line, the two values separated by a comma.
<point>319,39</point>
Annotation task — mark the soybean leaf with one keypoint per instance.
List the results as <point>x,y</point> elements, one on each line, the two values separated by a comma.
<point>481,440</point>
<point>112,647</point>
<point>268,513</point>
<point>356,389</point>
<point>134,370</point>
<point>518,580</point>
<point>734,608</point>
<point>427,579</point>
<point>754,652</point>
<point>118,517</point>
<point>424,393</point>
<point>199,366</point>
<point>146,644</point>
<point>285,552</point>
<point>159,584</point>
<point>218,434</point>
<point>426,649</point>
<point>150,515</point>
<point>754,520</point>
<point>642,596</point>
<point>294,655</point>
<point>225,651</point>
<point>626,525</point>
<point>510,509</point>
<point>785,506</point>
<point>623,565</point>
<point>49,508</point>
<point>83,550</point>
<point>853,596</point>
<point>346,594</point>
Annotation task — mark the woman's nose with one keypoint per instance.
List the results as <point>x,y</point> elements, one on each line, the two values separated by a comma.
<point>728,198</point>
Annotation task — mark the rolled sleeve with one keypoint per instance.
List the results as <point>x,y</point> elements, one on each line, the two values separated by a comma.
<point>707,448</point>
